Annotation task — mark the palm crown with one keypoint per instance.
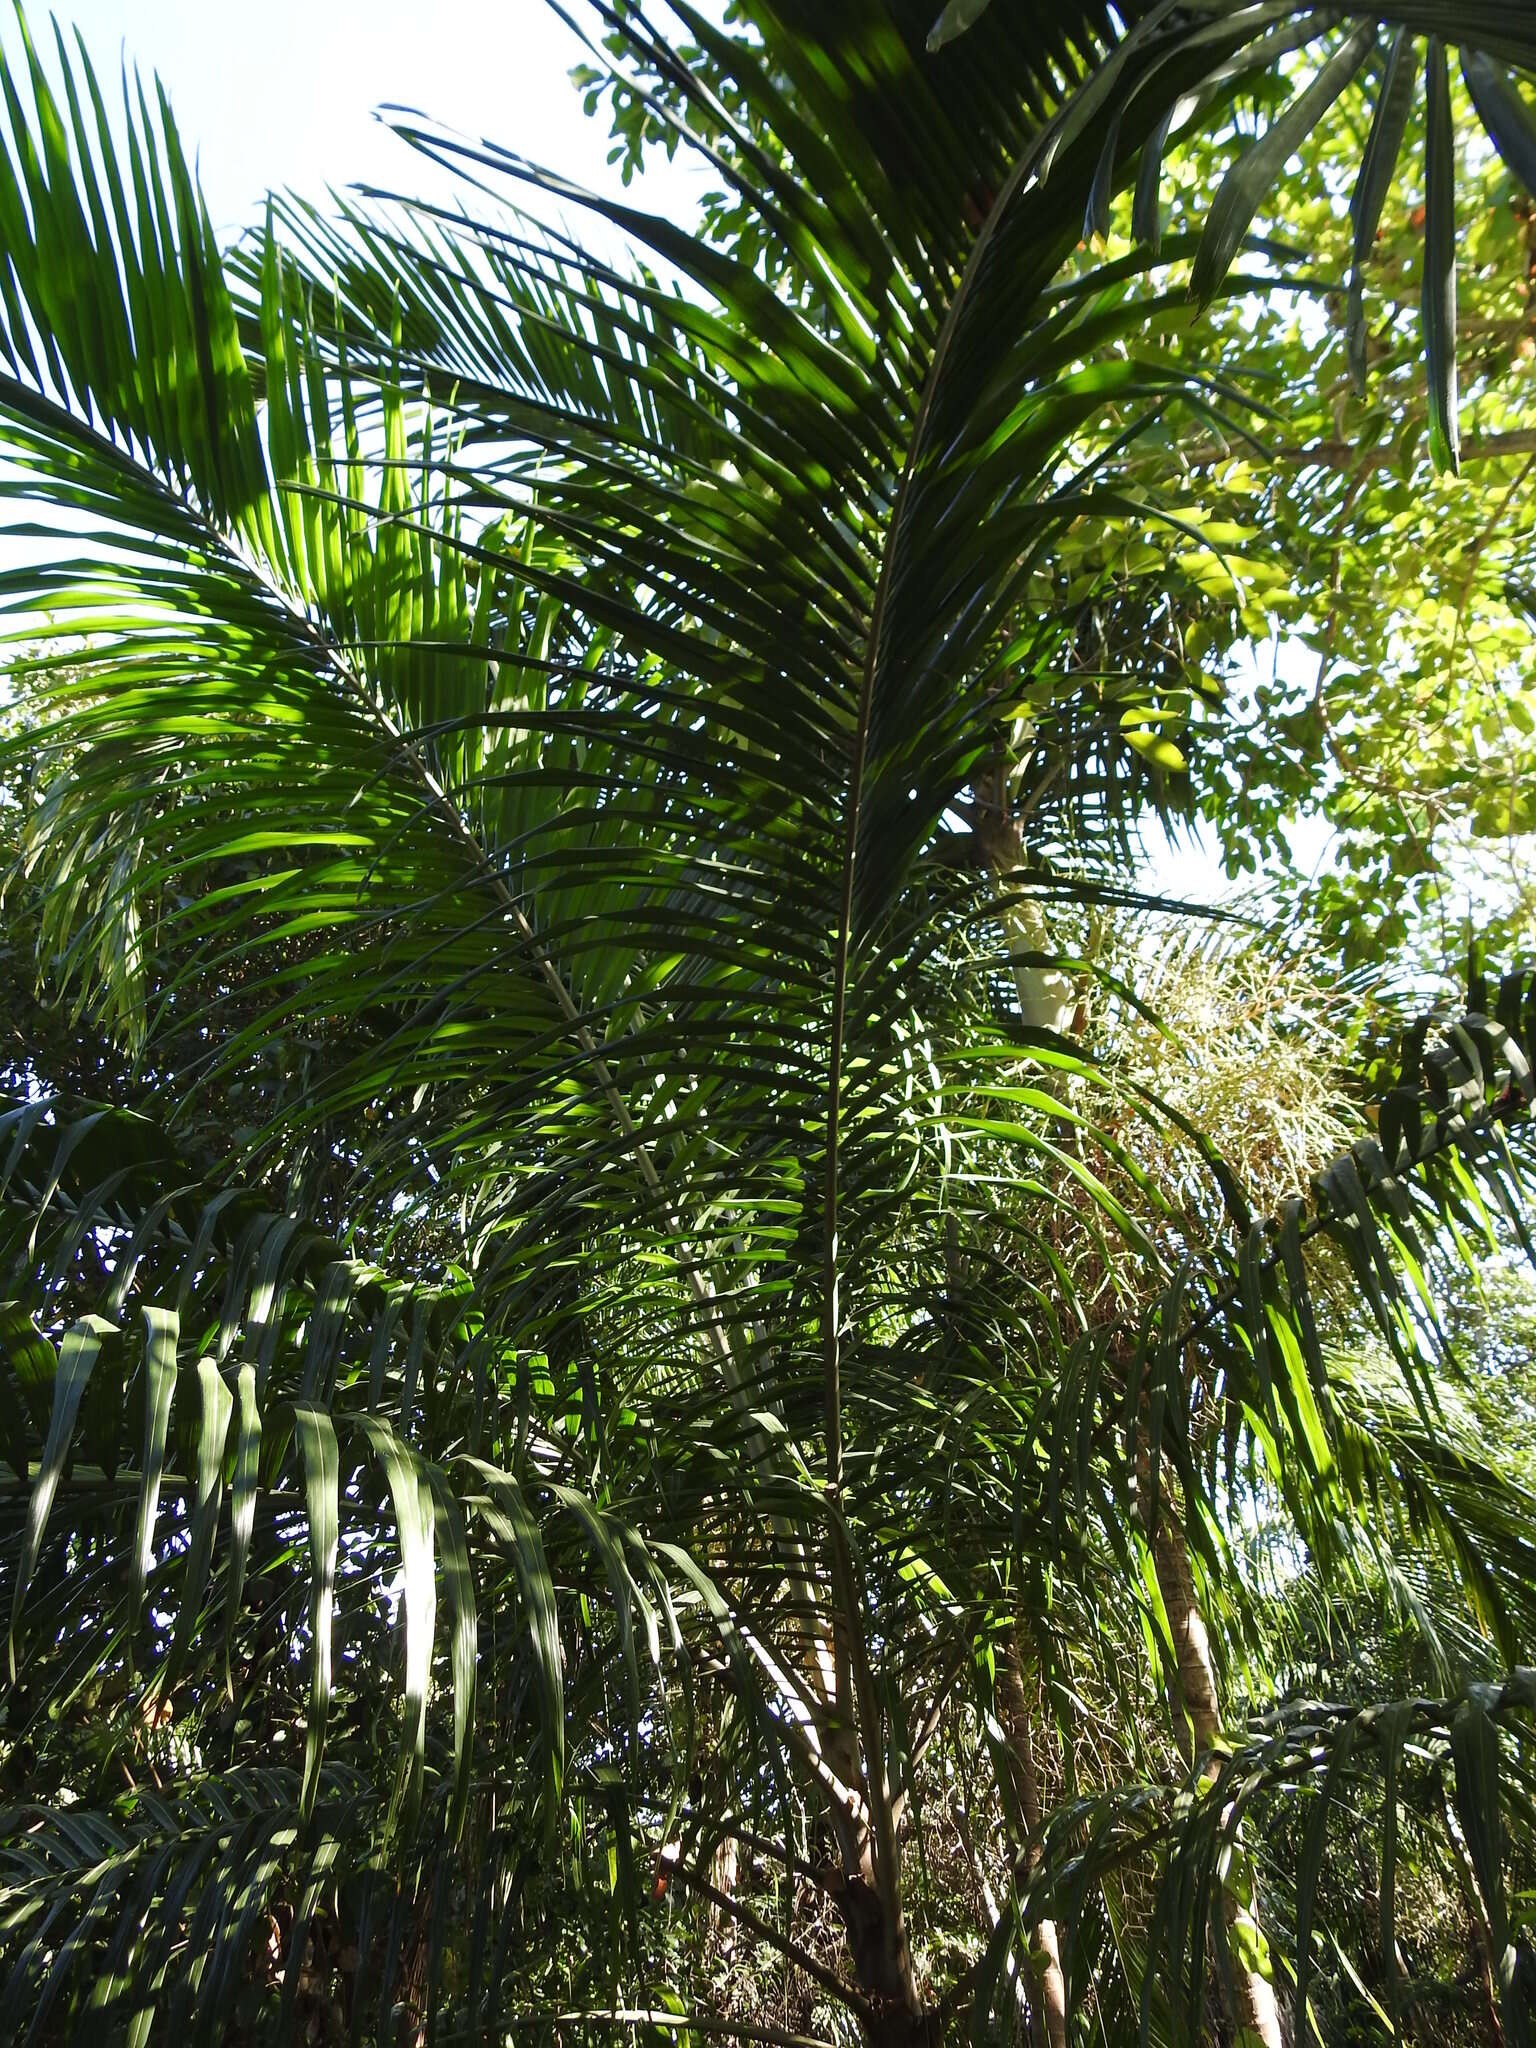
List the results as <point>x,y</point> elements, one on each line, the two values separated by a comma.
<point>577,792</point>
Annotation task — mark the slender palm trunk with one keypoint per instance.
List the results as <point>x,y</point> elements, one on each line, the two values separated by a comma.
<point>1047,996</point>
<point>1049,2003</point>
<point>877,1942</point>
<point>1046,1001</point>
<point>1248,1993</point>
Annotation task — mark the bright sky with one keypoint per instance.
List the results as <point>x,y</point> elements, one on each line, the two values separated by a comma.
<point>284,94</point>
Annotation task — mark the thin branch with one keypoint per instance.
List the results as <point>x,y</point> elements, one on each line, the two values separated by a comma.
<point>818,1972</point>
<point>1349,455</point>
<point>729,1829</point>
<point>929,1729</point>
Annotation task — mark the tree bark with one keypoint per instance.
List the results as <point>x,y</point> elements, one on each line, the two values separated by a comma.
<point>1049,2003</point>
<point>1047,997</point>
<point>877,1944</point>
<point>1247,1990</point>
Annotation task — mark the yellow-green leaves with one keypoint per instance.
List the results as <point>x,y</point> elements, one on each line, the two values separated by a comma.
<point>1158,750</point>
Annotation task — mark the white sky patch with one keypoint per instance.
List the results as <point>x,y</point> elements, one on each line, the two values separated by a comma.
<point>286,99</point>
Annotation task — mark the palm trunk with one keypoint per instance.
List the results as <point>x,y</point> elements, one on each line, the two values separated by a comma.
<point>877,1942</point>
<point>1247,1990</point>
<point>1047,997</point>
<point>1049,2003</point>
<point>1047,1000</point>
<point>867,1897</point>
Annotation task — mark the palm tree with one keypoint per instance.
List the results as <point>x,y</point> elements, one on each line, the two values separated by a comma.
<point>576,799</point>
